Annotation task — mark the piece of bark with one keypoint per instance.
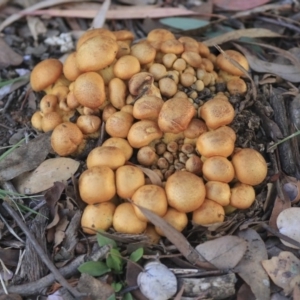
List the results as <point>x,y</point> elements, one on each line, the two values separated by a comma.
<point>216,287</point>
<point>33,271</point>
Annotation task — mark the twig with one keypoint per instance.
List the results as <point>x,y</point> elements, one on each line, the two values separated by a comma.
<point>36,287</point>
<point>100,17</point>
<point>57,275</point>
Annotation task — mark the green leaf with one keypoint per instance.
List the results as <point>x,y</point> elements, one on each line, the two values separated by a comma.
<point>183,23</point>
<point>128,296</point>
<point>117,286</point>
<point>112,297</point>
<point>137,254</point>
<point>102,241</point>
<point>115,261</point>
<point>11,81</point>
<point>94,268</point>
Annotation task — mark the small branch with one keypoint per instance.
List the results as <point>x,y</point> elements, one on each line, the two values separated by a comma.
<point>57,275</point>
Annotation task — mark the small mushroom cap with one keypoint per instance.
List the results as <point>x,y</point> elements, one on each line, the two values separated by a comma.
<point>144,52</point>
<point>119,124</point>
<point>181,192</point>
<point>70,68</point>
<point>139,82</point>
<point>177,219</point>
<point>218,168</point>
<point>167,87</point>
<point>147,107</point>
<point>192,58</point>
<point>45,73</point>
<point>175,115</point>
<point>89,90</point>
<point>97,179</point>
<point>126,221</point>
<point>88,124</point>
<point>146,156</point>
<point>48,103</point>
<point>66,138</point>
<point>203,49</point>
<point>224,64</point>
<point>195,128</point>
<point>242,196</point>
<point>236,86</point>
<point>121,144</point>
<point>189,44</point>
<point>110,156</point>
<point>123,35</point>
<point>36,120</point>
<point>218,192</point>
<point>96,53</point>
<point>92,33</point>
<point>97,217</point>
<point>157,36</point>
<point>250,166</point>
<point>172,46</point>
<point>209,212</point>
<point>117,91</point>
<point>126,66</point>
<point>50,120</point>
<point>217,112</point>
<point>215,143</point>
<point>128,180</point>
<point>152,197</point>
<point>143,132</point>
<point>151,233</point>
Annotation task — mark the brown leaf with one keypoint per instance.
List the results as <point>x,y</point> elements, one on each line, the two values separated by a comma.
<point>25,158</point>
<point>43,177</point>
<point>250,268</point>
<point>154,178</point>
<point>279,206</point>
<point>235,5</point>
<point>224,252</point>
<point>245,293</point>
<point>288,72</point>
<point>284,270</point>
<point>296,291</point>
<point>8,57</point>
<point>53,195</point>
<point>236,34</point>
<point>288,223</point>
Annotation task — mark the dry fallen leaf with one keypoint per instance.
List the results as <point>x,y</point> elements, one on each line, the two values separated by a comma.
<point>279,206</point>
<point>26,157</point>
<point>245,293</point>
<point>224,252</point>
<point>250,268</point>
<point>234,5</point>
<point>43,177</point>
<point>284,270</point>
<point>236,34</point>
<point>8,57</point>
<point>288,223</point>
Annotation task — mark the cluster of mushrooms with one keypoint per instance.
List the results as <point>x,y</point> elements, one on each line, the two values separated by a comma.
<point>147,95</point>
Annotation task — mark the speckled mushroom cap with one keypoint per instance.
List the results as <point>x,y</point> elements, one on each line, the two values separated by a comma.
<point>45,73</point>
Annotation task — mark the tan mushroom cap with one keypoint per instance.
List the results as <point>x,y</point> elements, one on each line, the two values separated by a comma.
<point>203,49</point>
<point>172,46</point>
<point>66,138</point>
<point>215,143</point>
<point>236,86</point>
<point>217,112</point>
<point>151,233</point>
<point>128,180</point>
<point>88,124</point>
<point>152,197</point>
<point>48,103</point>
<point>70,68</point>
<point>250,166</point>
<point>175,218</point>
<point>45,73</point>
<point>175,115</point>
<point>36,120</point>
<point>92,33</point>
<point>147,156</point>
<point>143,132</point>
<point>97,217</point>
<point>126,221</point>
<point>123,35</point>
<point>209,212</point>
<point>121,144</point>
<point>192,58</point>
<point>144,52</point>
<point>189,44</point>
<point>126,66</point>
<point>51,120</point>
<point>195,128</point>
<point>218,192</point>
<point>242,196</point>
<point>181,192</point>
<point>147,107</point>
<point>89,90</point>
<point>110,156</point>
<point>139,82</point>
<point>224,64</point>
<point>218,168</point>
<point>157,36</point>
<point>96,53</point>
<point>117,91</point>
<point>119,124</point>
<point>97,185</point>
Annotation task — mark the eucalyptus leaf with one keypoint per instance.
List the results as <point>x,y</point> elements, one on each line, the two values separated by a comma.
<point>112,297</point>
<point>102,241</point>
<point>183,23</point>
<point>117,286</point>
<point>115,261</point>
<point>128,296</point>
<point>137,254</point>
<point>94,268</point>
